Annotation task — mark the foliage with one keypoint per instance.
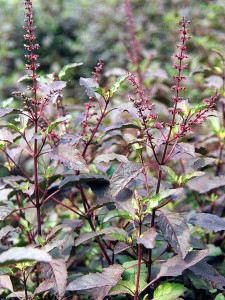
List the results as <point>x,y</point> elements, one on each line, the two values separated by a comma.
<point>122,198</point>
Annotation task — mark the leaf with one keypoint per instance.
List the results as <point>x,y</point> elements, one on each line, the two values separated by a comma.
<point>68,68</point>
<point>168,291</point>
<point>157,199</point>
<point>198,163</point>
<point>117,84</point>
<point>7,229</point>
<point>106,231</point>
<point>123,175</point>
<point>208,272</point>
<point>7,135</point>
<point>89,84</point>
<point>6,283</point>
<point>20,295</point>
<point>45,90</point>
<point>176,265</point>
<point>69,156</point>
<point>121,246</point>
<point>198,108</point>
<point>111,157</point>
<point>148,238</point>
<point>205,183</point>
<point>207,221</point>
<point>123,200</point>
<point>172,175</point>
<point>55,123</point>
<point>133,112</point>
<point>115,272</point>
<point>5,212</point>
<point>130,273</point>
<point>176,230</point>
<point>83,178</point>
<point>123,287</point>
<point>214,124</point>
<point>8,111</point>
<point>116,213</point>
<point>107,278</point>
<point>18,254</point>
<point>192,176</point>
<point>119,126</point>
<point>55,272</point>
<point>186,148</point>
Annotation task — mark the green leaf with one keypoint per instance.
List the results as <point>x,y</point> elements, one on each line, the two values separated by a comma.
<point>214,125</point>
<point>168,291</point>
<point>25,224</point>
<point>192,176</point>
<point>68,68</point>
<point>116,213</point>
<point>100,91</point>
<point>220,297</point>
<point>9,125</point>
<point>171,174</point>
<point>117,84</point>
<point>198,108</point>
<point>120,288</point>
<point>55,123</point>
<point>158,198</point>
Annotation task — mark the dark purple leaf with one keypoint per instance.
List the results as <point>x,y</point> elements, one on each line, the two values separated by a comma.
<point>7,135</point>
<point>106,231</point>
<point>209,273</point>
<point>198,163</point>
<point>176,230</point>
<point>101,191</point>
<point>148,238</point>
<point>186,149</point>
<point>83,178</point>
<point>120,126</point>
<point>176,265</point>
<point>6,283</point>
<point>109,277</point>
<point>133,112</point>
<point>46,89</point>
<point>123,175</point>
<point>205,183</point>
<point>69,156</point>
<point>111,157</point>
<point>123,200</point>
<point>120,247</point>
<point>207,221</point>
<point>55,271</point>
<point>114,272</point>
<point>8,111</point>
<point>70,139</point>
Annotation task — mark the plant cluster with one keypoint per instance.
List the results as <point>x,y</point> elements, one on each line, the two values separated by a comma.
<point>123,202</point>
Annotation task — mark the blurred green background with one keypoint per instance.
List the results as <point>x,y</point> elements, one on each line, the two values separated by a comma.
<point>72,31</point>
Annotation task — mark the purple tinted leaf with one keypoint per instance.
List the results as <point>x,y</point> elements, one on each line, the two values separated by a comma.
<point>101,191</point>
<point>7,229</point>
<point>114,272</point>
<point>148,239</point>
<point>70,139</point>
<point>7,135</point>
<point>17,254</point>
<point>46,285</point>
<point>209,273</point>
<point>89,84</point>
<point>214,81</point>
<point>6,283</point>
<point>55,271</point>
<point>109,277</point>
<point>207,221</point>
<point>123,175</point>
<point>8,111</point>
<point>119,126</point>
<point>176,230</point>
<point>133,112</point>
<point>176,265</point>
<point>46,89</point>
<point>198,163</point>
<point>120,247</point>
<point>123,200</point>
<point>5,212</point>
<point>185,148</point>
<point>69,156</point>
<point>205,183</point>
<point>110,157</point>
<point>106,231</point>
<point>83,178</point>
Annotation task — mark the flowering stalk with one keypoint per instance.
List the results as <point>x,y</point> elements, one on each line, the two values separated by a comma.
<point>32,65</point>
